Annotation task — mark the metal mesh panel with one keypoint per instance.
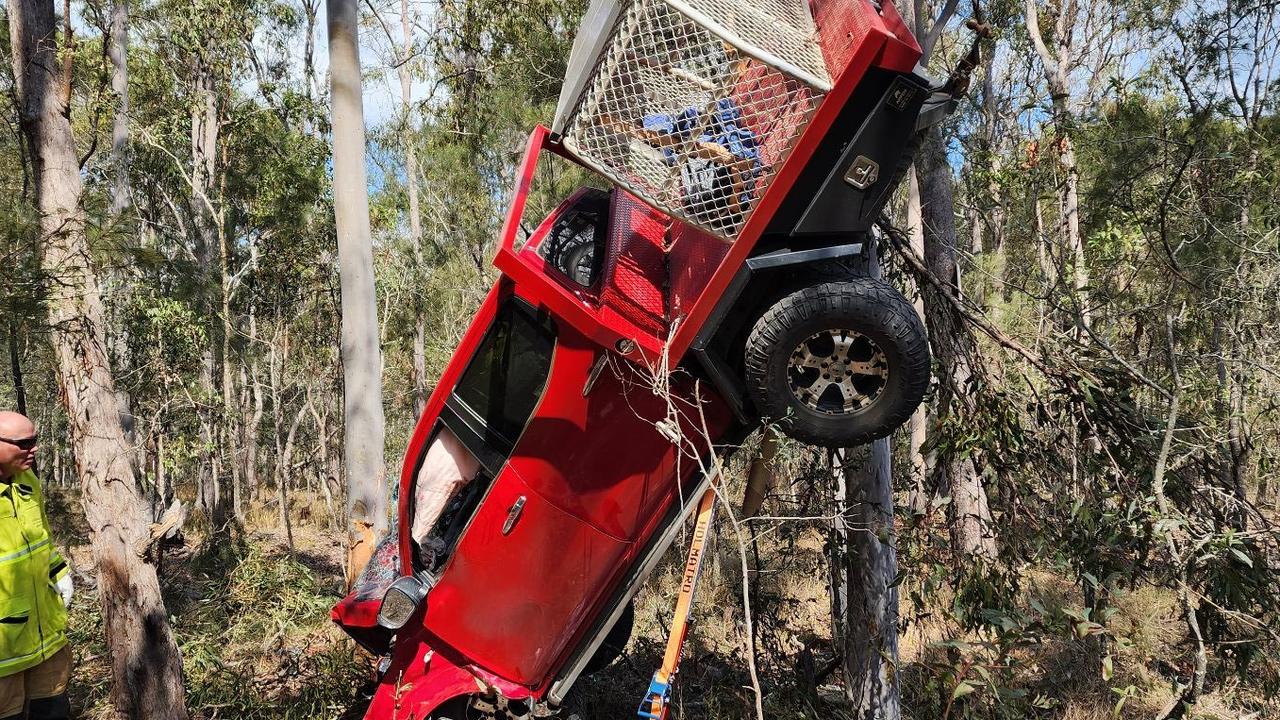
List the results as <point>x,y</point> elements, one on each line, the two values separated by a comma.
<point>636,269</point>
<point>691,120</point>
<point>782,28</point>
<point>842,27</point>
<point>693,258</point>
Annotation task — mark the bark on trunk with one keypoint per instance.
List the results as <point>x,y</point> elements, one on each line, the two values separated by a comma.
<point>226,428</point>
<point>119,281</point>
<point>15,367</point>
<point>204,143</point>
<point>972,532</point>
<point>864,597</point>
<point>118,54</point>
<point>146,666</point>
<point>918,425</point>
<point>361,355</point>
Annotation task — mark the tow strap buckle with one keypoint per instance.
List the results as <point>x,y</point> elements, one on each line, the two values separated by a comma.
<point>654,705</point>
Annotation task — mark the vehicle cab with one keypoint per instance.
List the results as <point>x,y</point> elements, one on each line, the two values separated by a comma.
<point>706,282</point>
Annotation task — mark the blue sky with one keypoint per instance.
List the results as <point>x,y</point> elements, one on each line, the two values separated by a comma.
<point>381,83</point>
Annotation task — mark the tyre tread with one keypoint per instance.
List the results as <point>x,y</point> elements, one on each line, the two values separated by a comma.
<point>882,307</point>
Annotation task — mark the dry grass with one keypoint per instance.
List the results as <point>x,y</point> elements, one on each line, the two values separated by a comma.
<point>252,623</point>
<point>257,643</point>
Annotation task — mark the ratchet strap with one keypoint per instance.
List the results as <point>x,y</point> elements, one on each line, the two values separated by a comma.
<point>656,700</point>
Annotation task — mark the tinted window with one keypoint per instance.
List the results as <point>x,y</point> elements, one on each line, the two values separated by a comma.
<point>504,380</point>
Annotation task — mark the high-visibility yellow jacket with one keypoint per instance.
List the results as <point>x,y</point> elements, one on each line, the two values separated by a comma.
<point>33,621</point>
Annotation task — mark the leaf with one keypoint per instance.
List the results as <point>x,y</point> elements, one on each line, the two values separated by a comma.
<point>1107,669</point>
<point>1242,557</point>
<point>1086,628</point>
<point>961,690</point>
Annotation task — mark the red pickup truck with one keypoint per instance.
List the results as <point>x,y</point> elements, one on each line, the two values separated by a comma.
<point>719,282</point>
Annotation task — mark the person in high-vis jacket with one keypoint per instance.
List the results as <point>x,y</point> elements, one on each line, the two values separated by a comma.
<point>35,587</point>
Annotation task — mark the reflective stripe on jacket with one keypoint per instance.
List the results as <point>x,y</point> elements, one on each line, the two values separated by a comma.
<point>33,621</point>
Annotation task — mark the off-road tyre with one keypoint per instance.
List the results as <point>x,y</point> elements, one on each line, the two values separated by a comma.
<point>871,313</point>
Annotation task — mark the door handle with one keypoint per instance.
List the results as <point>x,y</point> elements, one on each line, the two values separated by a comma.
<point>513,514</point>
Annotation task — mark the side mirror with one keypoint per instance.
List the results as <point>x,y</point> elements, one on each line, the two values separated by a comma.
<point>401,601</point>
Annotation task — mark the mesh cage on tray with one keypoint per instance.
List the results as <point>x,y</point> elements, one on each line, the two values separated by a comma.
<point>694,104</point>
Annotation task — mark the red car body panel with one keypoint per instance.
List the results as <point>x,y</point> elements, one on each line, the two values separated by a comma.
<point>584,505</point>
<point>513,602</point>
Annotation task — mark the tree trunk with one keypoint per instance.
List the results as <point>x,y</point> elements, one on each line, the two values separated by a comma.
<point>251,383</point>
<point>361,355</point>
<point>864,596</point>
<point>162,481</point>
<point>146,666</point>
<point>15,367</point>
<point>311,10</point>
<point>322,451</point>
<point>918,425</point>
<point>204,143</point>
<point>1057,66</point>
<point>118,280</point>
<point>1229,406</point>
<point>118,53</point>
<point>279,359</point>
<point>286,470</point>
<point>226,421</point>
<point>972,532</point>
<point>991,109</point>
<point>415,219</point>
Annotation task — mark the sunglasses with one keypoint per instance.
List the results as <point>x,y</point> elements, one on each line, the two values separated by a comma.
<point>26,443</point>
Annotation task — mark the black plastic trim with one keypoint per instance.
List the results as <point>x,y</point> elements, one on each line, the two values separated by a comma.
<point>795,257</point>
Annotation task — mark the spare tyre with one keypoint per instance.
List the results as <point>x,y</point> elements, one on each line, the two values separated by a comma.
<point>838,364</point>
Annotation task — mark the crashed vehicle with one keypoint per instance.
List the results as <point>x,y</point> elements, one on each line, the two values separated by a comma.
<point>719,282</point>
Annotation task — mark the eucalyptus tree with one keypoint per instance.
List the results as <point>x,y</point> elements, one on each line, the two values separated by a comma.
<point>931,216</point>
<point>146,666</point>
<point>361,353</point>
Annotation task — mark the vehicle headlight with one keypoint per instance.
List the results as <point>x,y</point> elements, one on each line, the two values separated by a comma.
<point>401,601</point>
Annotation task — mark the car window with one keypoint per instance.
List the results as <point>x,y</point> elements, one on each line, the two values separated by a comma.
<point>574,244</point>
<point>502,384</point>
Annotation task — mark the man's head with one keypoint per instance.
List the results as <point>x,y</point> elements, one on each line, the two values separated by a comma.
<point>17,443</point>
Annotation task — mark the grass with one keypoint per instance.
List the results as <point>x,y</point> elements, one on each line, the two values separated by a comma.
<point>252,622</point>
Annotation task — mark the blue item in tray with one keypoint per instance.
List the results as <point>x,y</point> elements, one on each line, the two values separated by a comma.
<point>705,180</point>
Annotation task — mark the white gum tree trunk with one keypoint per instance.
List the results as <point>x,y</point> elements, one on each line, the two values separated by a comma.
<point>361,354</point>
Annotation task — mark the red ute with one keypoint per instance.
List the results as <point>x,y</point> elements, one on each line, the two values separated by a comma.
<point>556,459</point>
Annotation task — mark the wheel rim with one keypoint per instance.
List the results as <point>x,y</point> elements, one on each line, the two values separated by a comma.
<point>838,371</point>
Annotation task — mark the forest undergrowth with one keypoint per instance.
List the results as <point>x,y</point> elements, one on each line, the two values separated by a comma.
<point>252,620</point>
